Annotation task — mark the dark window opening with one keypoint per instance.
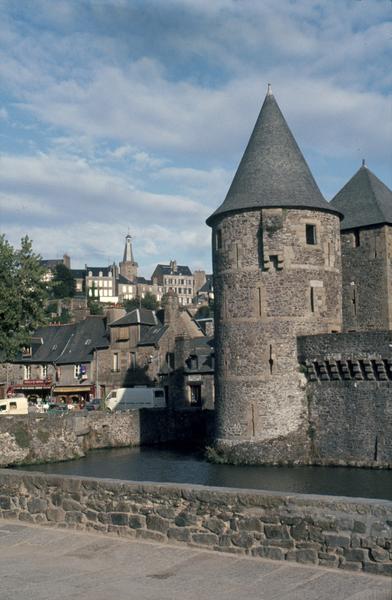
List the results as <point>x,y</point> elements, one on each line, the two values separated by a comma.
<point>311,234</point>
<point>219,239</point>
<point>312,304</point>
<point>195,395</point>
<point>274,260</point>
<point>357,239</point>
<point>271,360</point>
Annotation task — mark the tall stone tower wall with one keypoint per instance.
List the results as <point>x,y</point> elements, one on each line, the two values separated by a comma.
<point>367,278</point>
<point>271,285</point>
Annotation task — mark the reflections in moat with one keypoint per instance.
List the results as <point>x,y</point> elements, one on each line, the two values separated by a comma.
<point>181,466</point>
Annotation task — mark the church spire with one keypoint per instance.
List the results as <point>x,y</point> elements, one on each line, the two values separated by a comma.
<point>128,253</point>
<point>128,266</point>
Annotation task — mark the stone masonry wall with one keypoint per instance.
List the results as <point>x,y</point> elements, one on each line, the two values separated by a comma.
<point>52,438</point>
<point>353,534</point>
<point>270,286</point>
<point>367,302</point>
<point>349,393</point>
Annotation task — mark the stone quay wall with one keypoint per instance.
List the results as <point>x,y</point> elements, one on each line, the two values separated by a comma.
<point>49,437</point>
<point>347,533</point>
<point>349,394</point>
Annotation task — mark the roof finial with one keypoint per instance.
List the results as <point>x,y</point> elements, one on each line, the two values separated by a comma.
<point>364,162</point>
<point>269,90</point>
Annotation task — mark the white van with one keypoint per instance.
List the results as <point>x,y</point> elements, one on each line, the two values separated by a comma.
<point>135,398</point>
<point>14,406</point>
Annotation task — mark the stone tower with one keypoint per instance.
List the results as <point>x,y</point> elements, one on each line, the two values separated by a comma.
<point>277,275</point>
<point>128,267</point>
<point>366,236</point>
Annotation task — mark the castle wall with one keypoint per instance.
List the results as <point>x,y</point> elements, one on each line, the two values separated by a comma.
<point>366,270</point>
<point>349,394</point>
<point>270,287</point>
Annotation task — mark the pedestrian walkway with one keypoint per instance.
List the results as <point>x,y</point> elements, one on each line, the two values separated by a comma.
<point>37,563</point>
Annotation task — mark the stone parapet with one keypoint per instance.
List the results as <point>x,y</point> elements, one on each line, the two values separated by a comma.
<point>338,532</point>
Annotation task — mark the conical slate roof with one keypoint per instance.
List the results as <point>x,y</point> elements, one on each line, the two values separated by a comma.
<point>128,254</point>
<point>273,171</point>
<point>364,201</point>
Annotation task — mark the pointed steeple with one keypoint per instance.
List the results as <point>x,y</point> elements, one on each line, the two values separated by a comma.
<point>128,253</point>
<point>273,171</point>
<point>128,266</point>
<point>364,200</point>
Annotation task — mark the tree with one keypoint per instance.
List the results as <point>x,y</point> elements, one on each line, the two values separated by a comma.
<point>22,296</point>
<point>149,301</point>
<point>63,283</point>
<point>204,312</point>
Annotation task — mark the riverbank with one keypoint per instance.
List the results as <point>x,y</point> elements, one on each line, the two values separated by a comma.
<point>49,438</point>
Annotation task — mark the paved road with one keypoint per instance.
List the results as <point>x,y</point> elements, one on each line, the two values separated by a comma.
<point>37,563</point>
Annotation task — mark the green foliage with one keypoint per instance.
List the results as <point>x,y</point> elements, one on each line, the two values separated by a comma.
<point>94,307</point>
<point>204,312</point>
<point>63,283</point>
<point>22,296</point>
<point>149,301</point>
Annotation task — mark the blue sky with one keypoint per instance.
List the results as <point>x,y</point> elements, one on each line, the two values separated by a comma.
<point>118,114</point>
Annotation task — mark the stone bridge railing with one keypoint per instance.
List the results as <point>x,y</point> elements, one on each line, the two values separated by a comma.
<point>346,533</point>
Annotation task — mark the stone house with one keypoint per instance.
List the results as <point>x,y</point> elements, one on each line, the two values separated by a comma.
<point>61,361</point>
<point>144,351</point>
<point>175,278</point>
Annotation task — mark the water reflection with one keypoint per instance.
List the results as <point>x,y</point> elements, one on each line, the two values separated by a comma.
<point>180,466</point>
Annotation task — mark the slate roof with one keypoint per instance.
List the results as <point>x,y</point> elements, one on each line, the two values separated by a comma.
<point>203,348</point>
<point>137,316</point>
<point>364,201</point>
<point>208,285</point>
<point>122,279</point>
<point>68,344</point>
<point>166,270</point>
<point>78,273</point>
<point>272,171</point>
<point>150,336</point>
<point>96,270</point>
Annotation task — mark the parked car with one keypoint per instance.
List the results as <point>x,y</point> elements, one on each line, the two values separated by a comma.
<point>94,404</point>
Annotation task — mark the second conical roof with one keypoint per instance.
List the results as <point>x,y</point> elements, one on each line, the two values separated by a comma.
<point>364,201</point>
<point>273,171</point>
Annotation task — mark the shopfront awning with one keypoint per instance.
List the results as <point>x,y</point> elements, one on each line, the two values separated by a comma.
<point>64,389</point>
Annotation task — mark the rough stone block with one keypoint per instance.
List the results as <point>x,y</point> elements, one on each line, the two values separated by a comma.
<point>359,527</point>
<point>205,539</point>
<point>55,514</point>
<point>137,521</point>
<point>269,552</point>
<point>157,523</point>
<point>5,502</point>
<point>215,525</point>
<point>179,534</point>
<point>37,505</point>
<point>243,540</point>
<point>118,518</point>
<point>250,524</point>
<point>334,540</point>
<point>74,517</point>
<point>276,531</point>
<point>379,554</point>
<point>69,504</point>
<point>356,554</point>
<point>306,555</point>
<point>147,534</point>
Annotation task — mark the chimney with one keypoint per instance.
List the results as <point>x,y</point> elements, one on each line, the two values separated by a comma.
<point>173,266</point>
<point>171,308</point>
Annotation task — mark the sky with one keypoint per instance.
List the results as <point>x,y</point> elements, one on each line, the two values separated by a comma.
<point>132,115</point>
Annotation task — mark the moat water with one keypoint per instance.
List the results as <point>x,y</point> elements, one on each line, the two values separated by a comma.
<point>159,464</point>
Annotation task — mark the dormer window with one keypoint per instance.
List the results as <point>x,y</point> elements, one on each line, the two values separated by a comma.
<point>26,351</point>
<point>310,231</point>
